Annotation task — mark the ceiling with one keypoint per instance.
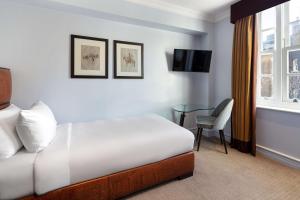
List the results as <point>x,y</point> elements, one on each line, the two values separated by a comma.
<point>209,10</point>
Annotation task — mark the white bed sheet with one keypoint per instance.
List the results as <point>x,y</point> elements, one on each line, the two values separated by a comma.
<point>89,150</point>
<point>16,175</point>
<point>51,169</point>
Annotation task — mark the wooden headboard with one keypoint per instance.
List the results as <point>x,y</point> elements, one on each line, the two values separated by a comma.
<point>5,87</point>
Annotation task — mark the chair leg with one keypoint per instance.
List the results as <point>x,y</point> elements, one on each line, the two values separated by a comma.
<point>221,138</point>
<point>197,135</point>
<point>224,141</point>
<point>199,139</point>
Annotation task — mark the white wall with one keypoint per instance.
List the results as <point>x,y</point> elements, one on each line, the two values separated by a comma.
<point>279,131</point>
<point>220,82</point>
<point>35,44</point>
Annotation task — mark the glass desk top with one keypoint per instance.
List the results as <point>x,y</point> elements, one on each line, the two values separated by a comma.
<point>186,108</point>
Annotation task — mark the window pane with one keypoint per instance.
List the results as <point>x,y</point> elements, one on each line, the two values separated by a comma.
<point>268,40</point>
<point>267,64</point>
<point>268,18</point>
<point>294,19</point>
<point>266,86</point>
<point>294,61</point>
<point>294,10</point>
<point>294,87</point>
<point>295,32</point>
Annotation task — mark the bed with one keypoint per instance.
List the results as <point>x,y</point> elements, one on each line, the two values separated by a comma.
<point>105,159</point>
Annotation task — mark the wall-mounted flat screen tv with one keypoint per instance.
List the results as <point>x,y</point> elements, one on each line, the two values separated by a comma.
<point>191,60</point>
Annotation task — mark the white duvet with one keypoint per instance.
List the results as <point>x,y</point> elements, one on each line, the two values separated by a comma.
<point>84,151</point>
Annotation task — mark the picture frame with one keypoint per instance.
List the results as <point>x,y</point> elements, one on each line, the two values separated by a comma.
<point>128,60</point>
<point>89,57</point>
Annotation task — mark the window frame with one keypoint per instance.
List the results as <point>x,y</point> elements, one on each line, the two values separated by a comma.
<point>286,47</point>
<point>280,72</point>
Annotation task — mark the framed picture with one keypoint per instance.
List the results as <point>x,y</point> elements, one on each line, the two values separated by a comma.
<point>89,57</point>
<point>128,60</point>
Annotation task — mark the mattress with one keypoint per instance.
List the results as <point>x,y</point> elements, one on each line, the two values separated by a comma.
<point>16,175</point>
<point>84,151</point>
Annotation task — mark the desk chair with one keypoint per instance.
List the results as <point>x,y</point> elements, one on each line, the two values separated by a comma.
<point>216,121</point>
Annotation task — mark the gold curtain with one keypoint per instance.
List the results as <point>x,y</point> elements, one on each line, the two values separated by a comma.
<point>244,60</point>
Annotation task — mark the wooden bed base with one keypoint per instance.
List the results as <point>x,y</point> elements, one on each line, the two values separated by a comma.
<point>124,183</point>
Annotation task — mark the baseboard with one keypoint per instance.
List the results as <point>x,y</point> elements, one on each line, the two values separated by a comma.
<point>270,153</point>
<point>278,156</point>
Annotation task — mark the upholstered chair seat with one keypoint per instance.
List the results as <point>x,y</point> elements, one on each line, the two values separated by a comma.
<point>205,121</point>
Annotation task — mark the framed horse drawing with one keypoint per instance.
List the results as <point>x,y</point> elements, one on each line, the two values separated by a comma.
<point>128,60</point>
<point>89,57</point>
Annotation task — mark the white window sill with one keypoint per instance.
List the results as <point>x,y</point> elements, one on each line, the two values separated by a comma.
<point>280,109</point>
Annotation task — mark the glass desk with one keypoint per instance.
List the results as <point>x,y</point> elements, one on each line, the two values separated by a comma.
<point>188,108</point>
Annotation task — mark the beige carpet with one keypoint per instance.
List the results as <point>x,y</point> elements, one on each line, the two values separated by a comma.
<point>235,176</point>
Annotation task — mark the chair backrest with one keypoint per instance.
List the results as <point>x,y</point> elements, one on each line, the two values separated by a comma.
<point>222,113</point>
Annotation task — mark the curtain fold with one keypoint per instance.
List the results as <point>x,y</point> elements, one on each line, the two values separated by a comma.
<point>244,61</point>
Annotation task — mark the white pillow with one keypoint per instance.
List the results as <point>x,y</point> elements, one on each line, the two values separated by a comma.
<point>9,140</point>
<point>36,127</point>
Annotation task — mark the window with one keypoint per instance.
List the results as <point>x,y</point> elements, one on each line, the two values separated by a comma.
<point>279,56</point>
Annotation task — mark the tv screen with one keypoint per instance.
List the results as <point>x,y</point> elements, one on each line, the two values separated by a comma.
<point>191,60</point>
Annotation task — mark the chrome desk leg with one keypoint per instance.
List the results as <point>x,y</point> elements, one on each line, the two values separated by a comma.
<point>182,119</point>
